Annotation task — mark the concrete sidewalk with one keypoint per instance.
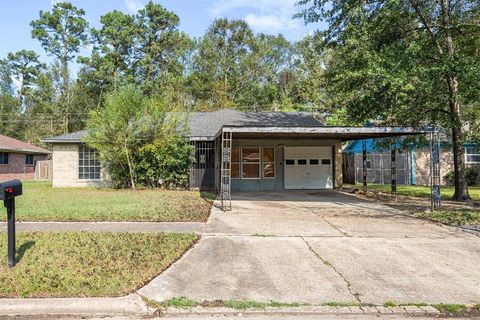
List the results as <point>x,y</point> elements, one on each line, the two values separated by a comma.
<point>127,305</point>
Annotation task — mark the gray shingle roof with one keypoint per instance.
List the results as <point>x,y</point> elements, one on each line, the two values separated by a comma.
<point>76,137</point>
<point>208,124</point>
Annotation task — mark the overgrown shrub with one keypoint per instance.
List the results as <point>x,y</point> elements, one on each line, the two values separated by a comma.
<point>472,175</point>
<point>165,162</point>
<point>139,142</point>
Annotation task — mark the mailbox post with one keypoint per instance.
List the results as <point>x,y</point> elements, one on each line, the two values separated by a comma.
<point>8,191</point>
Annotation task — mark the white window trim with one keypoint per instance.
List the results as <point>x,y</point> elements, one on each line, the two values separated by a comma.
<point>471,154</point>
<point>78,169</point>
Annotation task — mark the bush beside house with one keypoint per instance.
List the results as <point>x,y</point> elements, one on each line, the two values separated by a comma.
<point>140,142</point>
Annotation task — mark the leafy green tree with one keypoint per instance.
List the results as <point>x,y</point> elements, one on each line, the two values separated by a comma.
<point>61,32</point>
<point>115,131</point>
<point>139,143</point>
<point>404,62</point>
<point>25,68</point>
<point>112,57</point>
<point>220,73</point>
<point>159,47</point>
<point>8,106</point>
<point>309,86</point>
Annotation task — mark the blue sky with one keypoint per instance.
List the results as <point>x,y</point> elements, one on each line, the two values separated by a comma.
<point>269,16</point>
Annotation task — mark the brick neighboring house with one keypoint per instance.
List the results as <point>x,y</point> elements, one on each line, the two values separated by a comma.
<point>18,159</point>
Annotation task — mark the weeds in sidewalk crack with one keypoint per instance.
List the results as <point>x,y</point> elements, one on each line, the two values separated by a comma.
<point>356,295</point>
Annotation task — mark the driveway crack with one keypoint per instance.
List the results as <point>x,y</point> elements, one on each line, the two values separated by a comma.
<point>336,228</point>
<point>354,294</point>
<point>329,223</point>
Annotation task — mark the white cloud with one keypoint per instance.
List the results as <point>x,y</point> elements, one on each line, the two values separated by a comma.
<point>268,22</point>
<point>133,5</point>
<point>263,15</point>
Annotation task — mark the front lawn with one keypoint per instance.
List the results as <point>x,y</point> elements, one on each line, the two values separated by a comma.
<point>41,202</point>
<point>462,217</point>
<point>85,264</point>
<point>420,191</point>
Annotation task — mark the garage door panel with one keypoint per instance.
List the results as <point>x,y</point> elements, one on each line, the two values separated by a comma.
<point>308,168</point>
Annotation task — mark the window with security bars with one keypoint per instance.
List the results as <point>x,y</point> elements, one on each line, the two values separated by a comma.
<point>88,164</point>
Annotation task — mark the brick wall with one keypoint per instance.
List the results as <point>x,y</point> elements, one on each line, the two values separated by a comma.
<point>17,169</point>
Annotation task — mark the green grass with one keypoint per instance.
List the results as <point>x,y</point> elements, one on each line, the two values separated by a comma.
<point>341,304</point>
<point>461,217</point>
<point>451,308</point>
<point>183,302</point>
<point>420,191</point>
<point>389,304</point>
<point>86,264</point>
<point>41,202</point>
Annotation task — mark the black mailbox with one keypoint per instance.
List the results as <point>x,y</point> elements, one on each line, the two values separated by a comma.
<point>8,191</point>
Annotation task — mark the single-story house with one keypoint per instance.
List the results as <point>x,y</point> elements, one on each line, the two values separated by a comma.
<point>18,159</point>
<point>240,151</point>
<point>412,164</point>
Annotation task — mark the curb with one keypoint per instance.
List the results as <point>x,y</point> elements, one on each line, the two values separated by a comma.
<point>304,310</point>
<point>131,304</point>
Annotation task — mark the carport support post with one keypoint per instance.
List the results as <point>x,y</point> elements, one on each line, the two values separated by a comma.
<point>225,171</point>
<point>436,195</point>
<point>364,165</point>
<point>393,169</point>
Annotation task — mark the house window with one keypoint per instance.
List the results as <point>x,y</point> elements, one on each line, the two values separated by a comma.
<point>472,155</point>
<point>235,163</point>
<point>88,164</point>
<point>29,159</point>
<point>3,158</point>
<point>250,163</point>
<point>268,162</point>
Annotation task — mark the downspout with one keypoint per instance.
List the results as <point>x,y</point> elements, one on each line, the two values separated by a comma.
<point>412,164</point>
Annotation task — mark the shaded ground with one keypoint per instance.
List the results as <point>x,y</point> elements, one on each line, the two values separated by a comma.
<point>323,246</point>
<point>41,202</point>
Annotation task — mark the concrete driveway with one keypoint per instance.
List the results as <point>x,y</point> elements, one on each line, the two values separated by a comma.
<point>317,247</point>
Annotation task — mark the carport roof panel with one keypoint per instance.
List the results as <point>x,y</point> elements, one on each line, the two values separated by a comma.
<point>343,133</point>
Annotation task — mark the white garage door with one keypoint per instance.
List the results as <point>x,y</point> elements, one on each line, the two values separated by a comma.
<point>308,168</point>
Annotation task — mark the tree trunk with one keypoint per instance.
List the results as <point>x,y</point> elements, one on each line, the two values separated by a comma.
<point>458,136</point>
<point>66,83</point>
<point>461,189</point>
<point>130,166</point>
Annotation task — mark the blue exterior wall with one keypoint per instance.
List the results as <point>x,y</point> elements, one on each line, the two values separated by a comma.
<point>277,183</point>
